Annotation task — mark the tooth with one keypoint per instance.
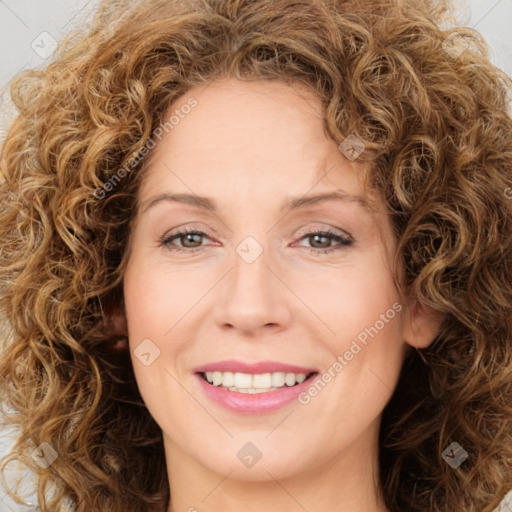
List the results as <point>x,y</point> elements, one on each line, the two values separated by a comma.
<point>243,380</point>
<point>251,390</point>
<point>300,377</point>
<point>278,379</point>
<point>262,380</point>
<point>228,379</point>
<point>290,379</point>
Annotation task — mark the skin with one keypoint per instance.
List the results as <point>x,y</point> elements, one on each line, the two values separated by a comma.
<point>250,147</point>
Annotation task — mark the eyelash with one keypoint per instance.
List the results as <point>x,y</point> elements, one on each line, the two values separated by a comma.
<point>344,241</point>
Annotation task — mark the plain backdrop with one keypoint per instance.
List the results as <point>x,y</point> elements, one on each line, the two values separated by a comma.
<point>30,29</point>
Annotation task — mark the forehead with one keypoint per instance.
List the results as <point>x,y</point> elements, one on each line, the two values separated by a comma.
<point>249,133</point>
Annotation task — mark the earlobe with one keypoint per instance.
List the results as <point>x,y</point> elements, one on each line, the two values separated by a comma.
<point>118,329</point>
<point>118,322</point>
<point>421,325</point>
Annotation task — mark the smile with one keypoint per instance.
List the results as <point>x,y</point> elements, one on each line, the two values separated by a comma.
<point>253,393</point>
<point>253,383</point>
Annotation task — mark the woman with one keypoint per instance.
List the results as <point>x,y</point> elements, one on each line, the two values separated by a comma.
<point>257,255</point>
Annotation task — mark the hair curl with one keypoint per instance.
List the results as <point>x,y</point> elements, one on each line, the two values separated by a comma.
<point>438,140</point>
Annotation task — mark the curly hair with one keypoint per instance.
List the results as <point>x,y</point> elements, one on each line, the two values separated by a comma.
<point>438,136</point>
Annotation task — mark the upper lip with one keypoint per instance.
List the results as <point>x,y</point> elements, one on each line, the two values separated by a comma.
<point>259,367</point>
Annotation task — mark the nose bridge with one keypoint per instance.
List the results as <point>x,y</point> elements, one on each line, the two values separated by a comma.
<point>250,264</point>
<point>253,297</point>
<point>250,279</point>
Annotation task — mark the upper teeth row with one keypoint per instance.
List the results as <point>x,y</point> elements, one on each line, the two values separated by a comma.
<point>257,380</point>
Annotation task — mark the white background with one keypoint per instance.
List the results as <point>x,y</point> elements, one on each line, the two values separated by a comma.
<point>23,21</point>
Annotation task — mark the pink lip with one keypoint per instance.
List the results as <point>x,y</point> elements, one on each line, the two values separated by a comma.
<point>261,367</point>
<point>257,403</point>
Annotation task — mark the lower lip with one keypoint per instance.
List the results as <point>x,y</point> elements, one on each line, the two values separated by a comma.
<point>256,403</point>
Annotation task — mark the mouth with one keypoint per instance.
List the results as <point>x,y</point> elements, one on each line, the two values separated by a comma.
<point>255,383</point>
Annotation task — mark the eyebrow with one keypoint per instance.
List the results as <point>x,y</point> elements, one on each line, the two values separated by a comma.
<point>208,204</point>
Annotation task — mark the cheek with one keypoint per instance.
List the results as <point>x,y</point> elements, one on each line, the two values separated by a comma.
<point>155,300</point>
<point>361,308</point>
<point>156,340</point>
<point>351,298</point>
<point>153,306</point>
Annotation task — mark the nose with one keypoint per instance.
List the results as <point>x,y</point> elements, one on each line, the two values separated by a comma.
<point>252,299</point>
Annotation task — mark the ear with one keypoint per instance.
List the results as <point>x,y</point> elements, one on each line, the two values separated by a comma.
<point>118,322</point>
<point>119,328</point>
<point>421,324</point>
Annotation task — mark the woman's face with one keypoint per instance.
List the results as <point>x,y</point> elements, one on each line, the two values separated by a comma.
<point>256,286</point>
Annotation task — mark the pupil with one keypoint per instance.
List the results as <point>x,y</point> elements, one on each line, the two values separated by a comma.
<point>315,237</point>
<point>188,237</point>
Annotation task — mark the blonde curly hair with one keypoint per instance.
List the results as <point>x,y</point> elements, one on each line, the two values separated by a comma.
<point>438,140</point>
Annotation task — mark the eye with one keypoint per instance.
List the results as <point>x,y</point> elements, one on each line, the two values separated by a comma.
<point>191,241</point>
<point>319,238</point>
<point>186,236</point>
